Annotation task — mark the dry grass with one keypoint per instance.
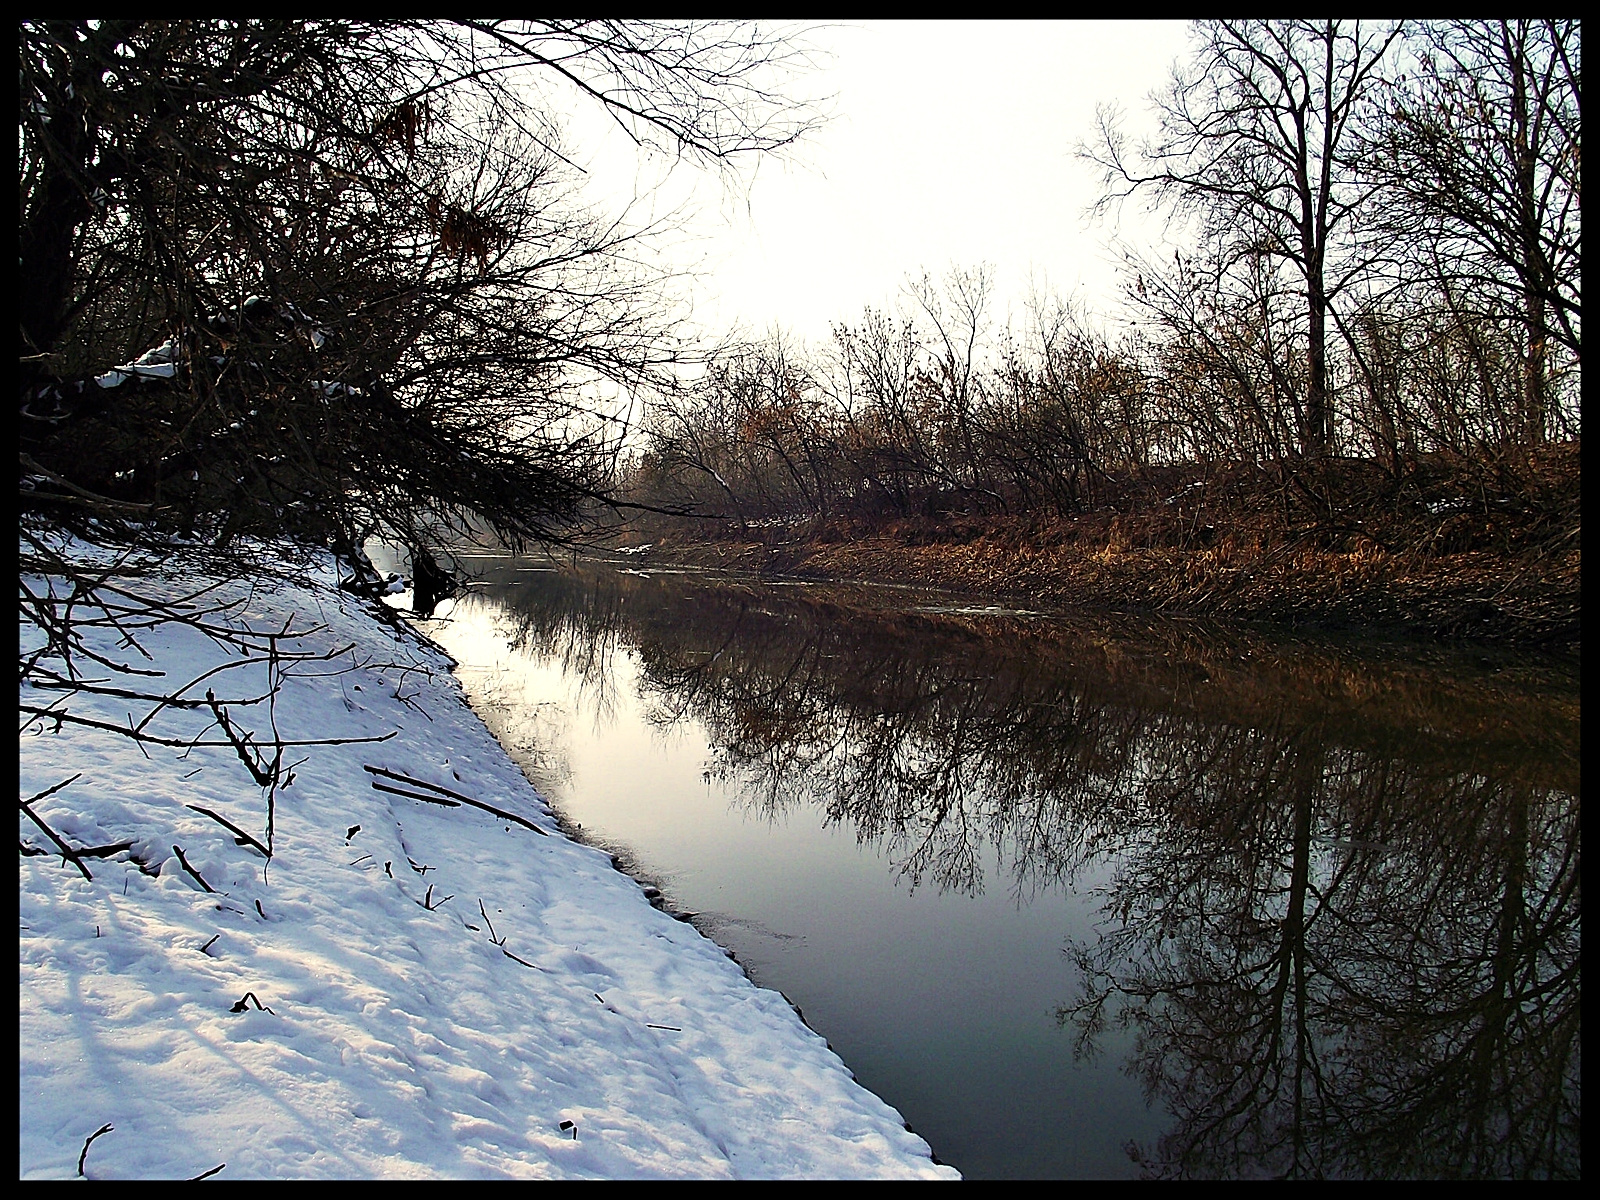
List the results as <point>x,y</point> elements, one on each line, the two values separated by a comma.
<point>1442,555</point>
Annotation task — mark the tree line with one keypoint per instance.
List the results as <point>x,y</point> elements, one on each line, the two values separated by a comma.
<point>1375,300</point>
<point>333,278</point>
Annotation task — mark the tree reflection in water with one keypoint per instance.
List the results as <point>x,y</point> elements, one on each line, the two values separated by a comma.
<point>1343,920</point>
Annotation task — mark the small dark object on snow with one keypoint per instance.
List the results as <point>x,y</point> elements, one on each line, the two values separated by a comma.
<point>351,832</point>
<point>95,1134</point>
<point>240,837</point>
<point>193,874</point>
<point>241,1006</point>
<point>443,791</point>
<point>566,1125</point>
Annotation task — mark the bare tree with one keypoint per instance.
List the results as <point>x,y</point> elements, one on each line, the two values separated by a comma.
<point>875,366</point>
<point>957,309</point>
<point>322,277</point>
<point>1478,154</point>
<point>1254,142</point>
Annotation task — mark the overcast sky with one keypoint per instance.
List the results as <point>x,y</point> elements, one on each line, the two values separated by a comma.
<point>951,143</point>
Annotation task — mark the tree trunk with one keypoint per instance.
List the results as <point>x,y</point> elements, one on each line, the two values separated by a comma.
<point>1535,366</point>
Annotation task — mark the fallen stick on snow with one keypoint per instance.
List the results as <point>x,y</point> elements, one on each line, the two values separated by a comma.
<point>87,1140</point>
<point>384,787</point>
<point>443,791</point>
<point>184,862</point>
<point>68,854</point>
<point>240,835</point>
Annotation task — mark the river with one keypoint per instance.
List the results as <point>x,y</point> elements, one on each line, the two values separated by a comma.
<point>1085,896</point>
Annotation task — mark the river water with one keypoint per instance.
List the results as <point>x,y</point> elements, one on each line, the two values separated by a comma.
<point>1085,896</point>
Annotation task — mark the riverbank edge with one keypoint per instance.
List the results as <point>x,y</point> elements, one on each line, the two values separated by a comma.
<point>444,695</point>
<point>659,893</point>
<point>1463,598</point>
<point>623,859</point>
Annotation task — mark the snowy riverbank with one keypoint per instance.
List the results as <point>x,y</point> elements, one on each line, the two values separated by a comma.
<point>446,989</point>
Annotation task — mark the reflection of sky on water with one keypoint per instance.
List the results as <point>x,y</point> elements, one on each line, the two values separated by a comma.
<point>929,998</point>
<point>901,817</point>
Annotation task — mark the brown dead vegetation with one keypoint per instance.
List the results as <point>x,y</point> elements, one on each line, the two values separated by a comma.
<point>1443,557</point>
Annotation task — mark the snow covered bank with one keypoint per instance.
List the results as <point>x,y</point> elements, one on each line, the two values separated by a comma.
<point>442,990</point>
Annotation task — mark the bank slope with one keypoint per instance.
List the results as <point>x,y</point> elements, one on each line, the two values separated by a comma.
<point>443,991</point>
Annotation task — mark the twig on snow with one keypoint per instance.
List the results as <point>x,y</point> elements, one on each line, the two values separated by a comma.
<point>184,863</point>
<point>51,791</point>
<point>240,836</point>
<point>427,899</point>
<point>498,941</point>
<point>383,787</point>
<point>87,1140</point>
<point>68,854</point>
<point>444,791</point>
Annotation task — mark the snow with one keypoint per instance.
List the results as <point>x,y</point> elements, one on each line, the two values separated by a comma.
<point>159,363</point>
<point>445,993</point>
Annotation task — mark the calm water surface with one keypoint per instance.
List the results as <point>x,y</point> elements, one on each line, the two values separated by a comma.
<point>1086,897</point>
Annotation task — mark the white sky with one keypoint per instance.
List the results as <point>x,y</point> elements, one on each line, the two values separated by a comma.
<point>951,143</point>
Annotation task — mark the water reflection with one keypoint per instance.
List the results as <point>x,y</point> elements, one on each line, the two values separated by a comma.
<point>1399,1002</point>
<point>1343,916</point>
